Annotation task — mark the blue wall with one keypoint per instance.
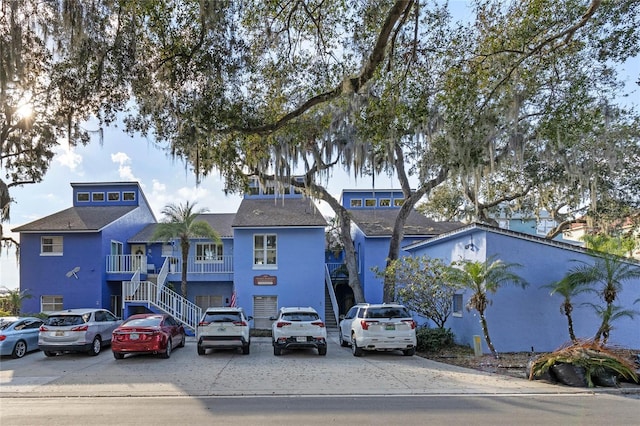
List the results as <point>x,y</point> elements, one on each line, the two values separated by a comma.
<point>300,271</point>
<point>519,319</point>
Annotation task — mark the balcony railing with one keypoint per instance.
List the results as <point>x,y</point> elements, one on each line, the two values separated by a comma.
<point>128,263</point>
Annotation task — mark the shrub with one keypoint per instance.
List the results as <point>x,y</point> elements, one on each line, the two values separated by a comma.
<point>433,339</point>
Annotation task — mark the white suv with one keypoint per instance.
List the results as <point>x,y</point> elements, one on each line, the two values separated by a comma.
<point>296,328</point>
<point>378,327</point>
<point>223,328</point>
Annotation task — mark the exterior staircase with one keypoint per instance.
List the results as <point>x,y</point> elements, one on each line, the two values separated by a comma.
<point>157,297</point>
<point>330,304</point>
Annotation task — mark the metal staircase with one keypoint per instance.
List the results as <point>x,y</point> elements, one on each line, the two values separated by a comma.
<point>156,296</point>
<point>330,303</point>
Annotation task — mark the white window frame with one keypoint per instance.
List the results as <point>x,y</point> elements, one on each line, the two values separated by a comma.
<point>398,202</point>
<point>370,202</point>
<point>261,254</point>
<point>128,196</point>
<point>53,302</point>
<point>83,195</point>
<point>113,196</point>
<point>214,255</point>
<point>56,245</point>
<point>384,202</point>
<point>355,202</point>
<point>97,197</point>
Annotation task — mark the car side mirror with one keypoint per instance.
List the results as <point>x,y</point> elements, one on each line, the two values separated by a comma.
<point>272,318</point>
<point>341,317</point>
<point>249,318</point>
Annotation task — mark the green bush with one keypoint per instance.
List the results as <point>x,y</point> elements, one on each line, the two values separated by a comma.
<point>433,339</point>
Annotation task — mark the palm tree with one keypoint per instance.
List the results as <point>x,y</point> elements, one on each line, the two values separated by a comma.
<point>12,301</point>
<point>181,223</point>
<point>610,271</point>
<point>609,314</point>
<point>568,289</point>
<point>483,278</point>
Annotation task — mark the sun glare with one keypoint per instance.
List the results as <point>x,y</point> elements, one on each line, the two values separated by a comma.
<point>24,111</point>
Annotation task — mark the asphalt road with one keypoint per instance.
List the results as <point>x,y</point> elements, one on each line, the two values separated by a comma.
<point>298,387</point>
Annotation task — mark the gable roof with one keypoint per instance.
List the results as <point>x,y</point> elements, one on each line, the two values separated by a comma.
<point>77,219</point>
<point>277,212</point>
<point>221,222</point>
<point>380,223</point>
<point>468,229</point>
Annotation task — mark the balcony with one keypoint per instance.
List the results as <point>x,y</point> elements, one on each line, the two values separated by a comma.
<point>128,263</point>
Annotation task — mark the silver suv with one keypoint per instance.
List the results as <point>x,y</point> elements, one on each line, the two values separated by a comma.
<point>78,330</point>
<point>223,328</point>
<point>378,327</point>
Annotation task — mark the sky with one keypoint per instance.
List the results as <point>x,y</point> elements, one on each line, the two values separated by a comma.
<point>164,180</point>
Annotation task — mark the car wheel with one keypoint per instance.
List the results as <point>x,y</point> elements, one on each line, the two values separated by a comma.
<point>50,353</point>
<point>277,351</point>
<point>245,349</point>
<point>19,350</point>
<point>355,349</point>
<point>183,341</point>
<point>118,355</point>
<point>322,350</point>
<point>343,342</point>
<point>409,352</point>
<point>96,346</point>
<point>167,353</point>
<point>201,350</point>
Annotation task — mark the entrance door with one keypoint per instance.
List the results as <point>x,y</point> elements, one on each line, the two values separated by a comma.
<point>264,307</point>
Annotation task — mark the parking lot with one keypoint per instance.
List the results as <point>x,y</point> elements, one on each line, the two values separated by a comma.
<point>230,373</point>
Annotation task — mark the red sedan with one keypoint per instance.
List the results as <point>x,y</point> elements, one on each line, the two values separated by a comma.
<point>147,333</point>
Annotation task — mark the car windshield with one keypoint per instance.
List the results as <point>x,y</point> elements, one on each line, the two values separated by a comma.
<point>66,320</point>
<point>387,312</point>
<point>143,322</point>
<point>222,317</point>
<point>300,316</point>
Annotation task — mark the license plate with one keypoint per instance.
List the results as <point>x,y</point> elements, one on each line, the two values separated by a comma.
<point>390,327</point>
<point>222,328</point>
<point>301,339</point>
<point>59,333</point>
<point>134,336</point>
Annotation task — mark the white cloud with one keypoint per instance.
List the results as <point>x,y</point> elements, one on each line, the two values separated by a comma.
<point>124,169</point>
<point>66,157</point>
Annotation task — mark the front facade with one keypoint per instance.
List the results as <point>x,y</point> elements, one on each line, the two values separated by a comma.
<point>522,319</point>
<point>100,253</point>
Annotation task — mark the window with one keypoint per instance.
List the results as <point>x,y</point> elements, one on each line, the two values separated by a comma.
<point>129,196</point>
<point>82,196</point>
<point>208,252</point>
<point>398,202</point>
<point>356,203</point>
<point>51,246</point>
<point>385,202</point>
<point>50,303</point>
<point>97,196</point>
<point>113,196</point>
<point>264,250</point>
<point>457,305</point>
<point>370,202</point>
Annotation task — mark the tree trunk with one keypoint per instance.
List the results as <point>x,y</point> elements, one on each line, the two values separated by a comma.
<point>485,330</point>
<point>411,198</point>
<point>184,246</point>
<point>567,308</point>
<point>350,258</point>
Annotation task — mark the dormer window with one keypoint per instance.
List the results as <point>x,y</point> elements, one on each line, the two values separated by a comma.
<point>128,196</point>
<point>97,196</point>
<point>82,197</point>
<point>370,202</point>
<point>113,196</point>
<point>385,202</point>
